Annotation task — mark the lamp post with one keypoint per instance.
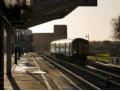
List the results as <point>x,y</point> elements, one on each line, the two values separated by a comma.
<point>16,46</point>
<point>88,36</point>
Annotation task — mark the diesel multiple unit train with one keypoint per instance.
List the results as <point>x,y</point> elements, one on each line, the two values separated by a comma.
<point>70,49</point>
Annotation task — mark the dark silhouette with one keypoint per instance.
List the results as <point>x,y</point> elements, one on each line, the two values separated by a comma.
<point>13,82</point>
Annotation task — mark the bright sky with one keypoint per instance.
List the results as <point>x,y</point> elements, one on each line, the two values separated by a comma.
<point>94,21</point>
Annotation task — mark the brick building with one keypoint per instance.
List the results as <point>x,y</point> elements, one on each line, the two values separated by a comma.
<point>41,41</point>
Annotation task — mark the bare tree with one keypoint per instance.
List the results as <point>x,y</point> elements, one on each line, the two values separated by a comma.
<point>116,28</point>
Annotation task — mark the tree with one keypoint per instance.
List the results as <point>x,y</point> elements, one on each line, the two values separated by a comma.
<point>116,28</point>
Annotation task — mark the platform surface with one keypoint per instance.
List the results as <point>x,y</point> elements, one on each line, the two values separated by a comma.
<point>34,73</point>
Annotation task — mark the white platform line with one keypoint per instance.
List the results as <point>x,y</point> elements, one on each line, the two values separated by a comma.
<point>65,78</point>
<point>43,76</point>
<point>13,67</point>
<point>59,87</point>
<point>69,80</point>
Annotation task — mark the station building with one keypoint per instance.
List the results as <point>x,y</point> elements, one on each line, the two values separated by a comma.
<point>41,41</point>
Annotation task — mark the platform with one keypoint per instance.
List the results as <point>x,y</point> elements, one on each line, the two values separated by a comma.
<point>34,73</point>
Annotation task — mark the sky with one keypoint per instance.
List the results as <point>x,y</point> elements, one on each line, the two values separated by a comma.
<point>94,21</point>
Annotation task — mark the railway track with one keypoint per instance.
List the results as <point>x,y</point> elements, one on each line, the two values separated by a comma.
<point>105,68</point>
<point>109,78</point>
<point>115,79</point>
<point>99,79</point>
<point>87,84</point>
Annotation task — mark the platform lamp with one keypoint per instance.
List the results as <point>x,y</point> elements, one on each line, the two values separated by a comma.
<point>10,3</point>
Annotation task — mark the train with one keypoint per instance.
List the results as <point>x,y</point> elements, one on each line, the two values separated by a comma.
<point>70,49</point>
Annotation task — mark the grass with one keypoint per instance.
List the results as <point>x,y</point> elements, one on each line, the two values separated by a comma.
<point>100,57</point>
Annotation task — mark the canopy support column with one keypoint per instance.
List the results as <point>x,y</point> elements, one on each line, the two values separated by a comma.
<point>9,32</point>
<point>1,56</point>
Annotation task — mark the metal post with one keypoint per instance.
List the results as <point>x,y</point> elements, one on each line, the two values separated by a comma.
<point>88,37</point>
<point>1,57</point>
<point>18,45</point>
<point>9,51</point>
<point>15,47</point>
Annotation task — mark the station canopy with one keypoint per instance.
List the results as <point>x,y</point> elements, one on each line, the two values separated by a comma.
<point>28,13</point>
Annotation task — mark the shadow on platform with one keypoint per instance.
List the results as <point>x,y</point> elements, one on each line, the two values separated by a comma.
<point>13,82</point>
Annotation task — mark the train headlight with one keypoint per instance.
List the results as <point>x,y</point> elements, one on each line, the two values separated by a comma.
<point>74,52</point>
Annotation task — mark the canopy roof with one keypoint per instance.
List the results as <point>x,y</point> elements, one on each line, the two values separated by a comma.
<point>28,13</point>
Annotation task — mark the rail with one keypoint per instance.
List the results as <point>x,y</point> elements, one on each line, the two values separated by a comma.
<point>73,74</point>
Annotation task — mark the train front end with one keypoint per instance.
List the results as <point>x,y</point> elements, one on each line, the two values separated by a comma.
<point>80,49</point>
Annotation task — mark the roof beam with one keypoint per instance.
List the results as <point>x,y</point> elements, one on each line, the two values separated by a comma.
<point>39,11</point>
